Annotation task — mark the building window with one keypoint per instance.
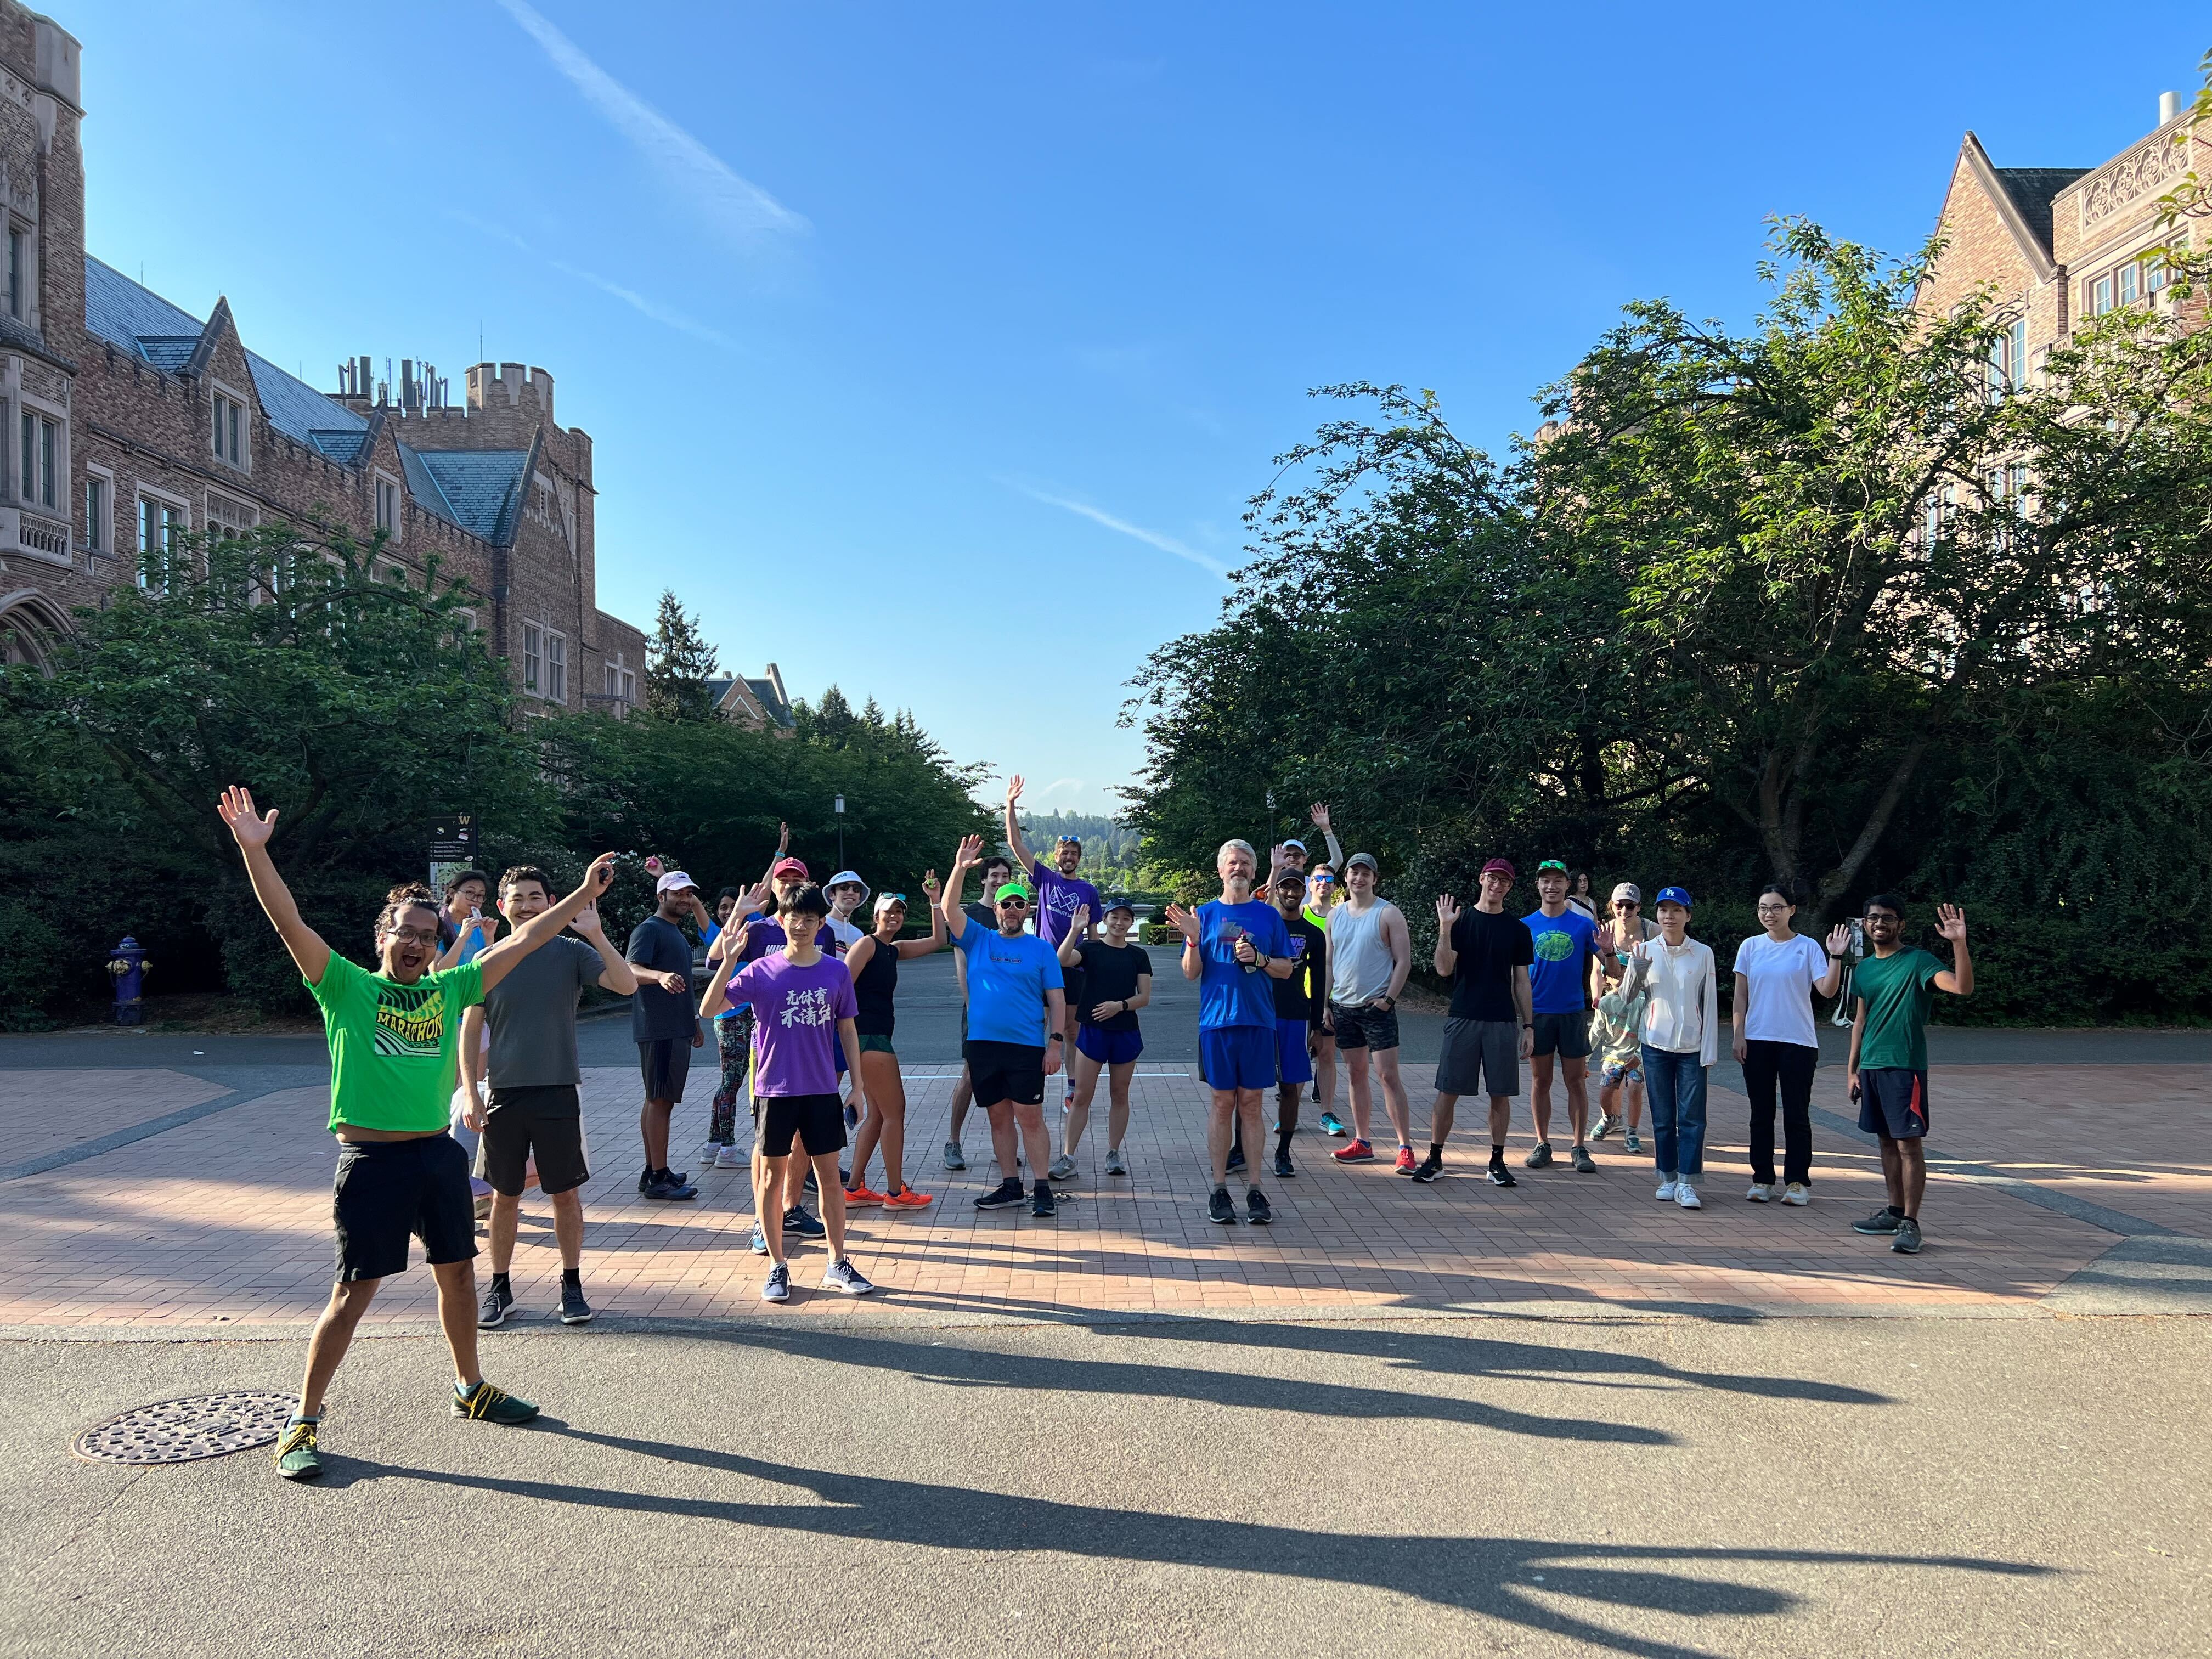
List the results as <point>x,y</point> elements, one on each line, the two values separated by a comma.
<point>19,272</point>
<point>468,620</point>
<point>556,668</point>
<point>160,533</point>
<point>532,638</point>
<point>95,514</point>
<point>229,429</point>
<point>630,685</point>
<point>40,435</point>
<point>2101,296</point>
<point>2155,274</point>
<point>388,505</point>
<point>2008,360</point>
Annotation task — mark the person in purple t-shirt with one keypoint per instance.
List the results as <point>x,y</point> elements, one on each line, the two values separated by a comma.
<point>1059,896</point>
<point>804,1011</point>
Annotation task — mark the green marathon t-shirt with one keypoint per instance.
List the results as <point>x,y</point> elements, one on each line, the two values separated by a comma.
<point>1898,992</point>
<point>393,1047</point>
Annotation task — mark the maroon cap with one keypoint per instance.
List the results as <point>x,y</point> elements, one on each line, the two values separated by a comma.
<point>1504,867</point>
<point>788,868</point>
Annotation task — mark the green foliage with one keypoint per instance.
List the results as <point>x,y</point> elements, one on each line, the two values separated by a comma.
<point>1112,851</point>
<point>679,663</point>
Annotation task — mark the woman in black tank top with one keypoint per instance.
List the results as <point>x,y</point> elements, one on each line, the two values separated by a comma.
<point>874,963</point>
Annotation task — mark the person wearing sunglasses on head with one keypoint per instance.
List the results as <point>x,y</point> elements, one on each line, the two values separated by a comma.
<point>1017,1011</point>
<point>1559,982</point>
<point>998,870</point>
<point>874,966</point>
<point>1060,895</point>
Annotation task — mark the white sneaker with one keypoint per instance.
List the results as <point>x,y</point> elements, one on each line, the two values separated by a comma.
<point>1115,1163</point>
<point>1798,1194</point>
<point>729,1157</point>
<point>1761,1191</point>
<point>1668,1188</point>
<point>1687,1196</point>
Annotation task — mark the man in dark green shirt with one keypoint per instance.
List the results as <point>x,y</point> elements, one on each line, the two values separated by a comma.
<point>1888,1073</point>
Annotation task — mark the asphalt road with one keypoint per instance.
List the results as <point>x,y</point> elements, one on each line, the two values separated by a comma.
<point>1531,1485</point>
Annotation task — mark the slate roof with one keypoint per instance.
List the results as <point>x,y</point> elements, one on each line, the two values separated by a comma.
<point>2031,190</point>
<point>479,489</point>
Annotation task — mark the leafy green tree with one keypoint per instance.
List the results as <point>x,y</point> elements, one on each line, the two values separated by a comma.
<point>679,663</point>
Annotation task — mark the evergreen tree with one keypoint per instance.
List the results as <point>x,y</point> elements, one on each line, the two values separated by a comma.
<point>679,663</point>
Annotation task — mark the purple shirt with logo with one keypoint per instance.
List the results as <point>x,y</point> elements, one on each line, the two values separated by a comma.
<point>1058,899</point>
<point>795,1015</point>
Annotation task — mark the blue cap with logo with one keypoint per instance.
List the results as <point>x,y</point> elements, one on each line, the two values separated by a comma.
<point>1674,895</point>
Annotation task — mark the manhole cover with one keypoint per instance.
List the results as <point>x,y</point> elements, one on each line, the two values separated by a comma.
<point>179,1430</point>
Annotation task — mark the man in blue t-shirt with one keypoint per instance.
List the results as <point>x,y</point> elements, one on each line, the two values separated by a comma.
<point>1016,1005</point>
<point>1235,946</point>
<point>1558,981</point>
<point>1059,896</point>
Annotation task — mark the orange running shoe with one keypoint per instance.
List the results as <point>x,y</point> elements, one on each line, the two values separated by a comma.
<point>906,1199</point>
<point>862,1195</point>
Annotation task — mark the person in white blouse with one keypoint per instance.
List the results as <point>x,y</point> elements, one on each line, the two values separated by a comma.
<point>1777,972</point>
<point>1681,1040</point>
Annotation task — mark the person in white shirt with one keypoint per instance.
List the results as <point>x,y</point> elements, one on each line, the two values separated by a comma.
<point>1681,1040</point>
<point>1777,972</point>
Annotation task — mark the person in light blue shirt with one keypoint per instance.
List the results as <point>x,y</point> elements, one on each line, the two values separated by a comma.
<point>1559,983</point>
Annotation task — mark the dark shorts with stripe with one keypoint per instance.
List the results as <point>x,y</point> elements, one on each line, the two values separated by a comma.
<point>1894,1103</point>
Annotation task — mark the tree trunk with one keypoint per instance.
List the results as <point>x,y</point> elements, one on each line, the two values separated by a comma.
<point>1838,881</point>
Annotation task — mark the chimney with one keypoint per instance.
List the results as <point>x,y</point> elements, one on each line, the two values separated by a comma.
<point>2169,106</point>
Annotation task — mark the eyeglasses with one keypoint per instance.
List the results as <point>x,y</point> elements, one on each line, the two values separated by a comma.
<point>415,936</point>
<point>1772,904</point>
<point>1014,904</point>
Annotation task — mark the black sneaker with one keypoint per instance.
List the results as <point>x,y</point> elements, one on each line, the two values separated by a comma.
<point>1541,1158</point>
<point>1583,1162</point>
<point>813,1185</point>
<point>1283,1170</point>
<point>670,1188</point>
<point>801,1222</point>
<point>1257,1210</point>
<point>1882,1223</point>
<point>1221,1209</point>
<point>1041,1201</point>
<point>1428,1168</point>
<point>493,1314</point>
<point>1008,1193</point>
<point>1236,1157</point>
<point>575,1310</point>
<point>1907,1242</point>
<point>1502,1176</point>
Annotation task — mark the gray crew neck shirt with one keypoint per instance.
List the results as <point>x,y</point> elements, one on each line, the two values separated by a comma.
<point>532,1015</point>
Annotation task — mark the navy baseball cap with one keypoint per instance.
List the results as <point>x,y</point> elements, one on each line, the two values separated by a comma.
<point>1674,895</point>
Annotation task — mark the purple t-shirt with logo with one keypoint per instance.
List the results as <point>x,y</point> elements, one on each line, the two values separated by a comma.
<point>1059,897</point>
<point>795,1015</point>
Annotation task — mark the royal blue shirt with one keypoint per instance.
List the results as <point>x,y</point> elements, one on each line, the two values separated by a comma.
<point>1007,979</point>
<point>1559,978</point>
<point>1227,995</point>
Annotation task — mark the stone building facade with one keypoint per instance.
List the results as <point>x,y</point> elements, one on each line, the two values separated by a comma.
<point>126,422</point>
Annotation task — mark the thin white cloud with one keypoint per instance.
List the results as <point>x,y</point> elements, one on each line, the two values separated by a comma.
<point>667,315</point>
<point>1149,537</point>
<point>735,205</point>
<point>1058,784</point>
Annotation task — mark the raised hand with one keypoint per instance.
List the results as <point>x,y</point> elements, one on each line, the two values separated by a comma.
<point>586,921</point>
<point>782,839</point>
<point>1080,919</point>
<point>247,827</point>
<point>653,866</point>
<point>1013,788</point>
<point>1839,939</point>
<point>1950,919</point>
<point>1319,813</point>
<point>929,886</point>
<point>1184,921</point>
<point>600,875</point>
<point>970,855</point>
<point>1447,912</point>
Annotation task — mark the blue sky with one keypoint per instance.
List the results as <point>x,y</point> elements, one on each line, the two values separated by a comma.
<point>934,350</point>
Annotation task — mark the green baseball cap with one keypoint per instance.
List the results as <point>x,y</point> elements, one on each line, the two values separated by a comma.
<point>1010,890</point>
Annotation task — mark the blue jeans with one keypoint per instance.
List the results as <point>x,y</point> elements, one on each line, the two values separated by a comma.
<point>1675,1085</point>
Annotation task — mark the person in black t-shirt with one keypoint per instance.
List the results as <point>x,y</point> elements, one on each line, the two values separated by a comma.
<point>1301,1005</point>
<point>1490,1029</point>
<point>1117,981</point>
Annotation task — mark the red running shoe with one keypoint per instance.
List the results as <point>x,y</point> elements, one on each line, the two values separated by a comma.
<point>1406,1165</point>
<point>1354,1152</point>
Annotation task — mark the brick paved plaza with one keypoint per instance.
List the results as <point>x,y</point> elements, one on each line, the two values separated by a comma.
<point>223,1218</point>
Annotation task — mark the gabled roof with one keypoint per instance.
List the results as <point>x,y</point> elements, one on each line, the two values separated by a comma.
<point>2021,197</point>
<point>2031,190</point>
<point>479,489</point>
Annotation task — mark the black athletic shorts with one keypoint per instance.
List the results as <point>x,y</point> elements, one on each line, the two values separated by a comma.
<point>1006,1071</point>
<point>389,1191</point>
<point>1365,1027</point>
<point>1567,1035</point>
<point>818,1121</point>
<point>543,1121</point>
<point>664,1064</point>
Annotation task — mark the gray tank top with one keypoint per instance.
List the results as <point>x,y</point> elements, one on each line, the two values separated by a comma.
<point>1358,955</point>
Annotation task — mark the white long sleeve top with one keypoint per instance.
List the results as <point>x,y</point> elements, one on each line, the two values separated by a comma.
<point>1683,1015</point>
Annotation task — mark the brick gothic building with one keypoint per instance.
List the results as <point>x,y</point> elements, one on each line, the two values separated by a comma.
<point>2063,244</point>
<point>126,421</point>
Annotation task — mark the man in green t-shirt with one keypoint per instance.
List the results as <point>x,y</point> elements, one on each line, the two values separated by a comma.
<point>1888,1073</point>
<point>392,1036</point>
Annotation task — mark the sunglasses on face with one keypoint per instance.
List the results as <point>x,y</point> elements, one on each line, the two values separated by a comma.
<point>1626,904</point>
<point>1013,904</point>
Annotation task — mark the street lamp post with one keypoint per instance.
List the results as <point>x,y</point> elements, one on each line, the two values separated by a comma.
<point>838,807</point>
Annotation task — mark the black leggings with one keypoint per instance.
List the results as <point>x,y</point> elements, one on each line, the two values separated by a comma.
<point>1792,1064</point>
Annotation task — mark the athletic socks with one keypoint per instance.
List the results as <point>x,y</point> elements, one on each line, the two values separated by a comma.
<point>1436,1150</point>
<point>1283,1140</point>
<point>1497,1157</point>
<point>571,1277</point>
<point>503,1284</point>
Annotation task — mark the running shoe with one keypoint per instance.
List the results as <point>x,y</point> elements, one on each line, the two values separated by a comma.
<point>1236,1157</point>
<point>1257,1210</point>
<point>1354,1152</point>
<point>1063,1169</point>
<point>575,1310</point>
<point>671,1189</point>
<point>1907,1242</point>
<point>1668,1188</point>
<point>1583,1162</point>
<point>729,1157</point>
<point>1330,1124</point>
<point>862,1195</point>
<point>1115,1163</point>
<point>778,1287</point>
<point>644,1181</point>
<point>760,1239</point>
<point>953,1158</point>
<point>1686,1195</point>
<point>1631,1142</point>
<point>1606,1123</point>
<point>906,1199</point>
<point>1041,1200</point>
<point>1429,1168</point>
<point>1798,1194</point>
<point>1283,1170</point>
<point>802,1223</point>
<point>1221,1209</point>
<point>484,1206</point>
<point>1761,1192</point>
<point>845,1278</point>
<point>1882,1222</point>
<point>493,1314</point>
<point>1405,1163</point>
<point>1540,1158</point>
<point>488,1405</point>
<point>297,1458</point>
<point>1004,1196</point>
<point>1502,1176</point>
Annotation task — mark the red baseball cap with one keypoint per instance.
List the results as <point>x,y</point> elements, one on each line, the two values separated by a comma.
<point>1504,867</point>
<point>788,868</point>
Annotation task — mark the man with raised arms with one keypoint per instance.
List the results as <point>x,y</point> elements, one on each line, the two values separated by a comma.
<point>1060,895</point>
<point>998,870</point>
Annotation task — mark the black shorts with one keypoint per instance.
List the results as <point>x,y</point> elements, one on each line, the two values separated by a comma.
<point>818,1121</point>
<point>1894,1103</point>
<point>1365,1028</point>
<point>1567,1035</point>
<point>1071,986</point>
<point>543,1120</point>
<point>664,1064</point>
<point>389,1191</point>
<point>1006,1071</point>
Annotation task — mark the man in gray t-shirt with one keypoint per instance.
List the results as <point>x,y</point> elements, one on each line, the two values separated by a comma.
<point>531,1110</point>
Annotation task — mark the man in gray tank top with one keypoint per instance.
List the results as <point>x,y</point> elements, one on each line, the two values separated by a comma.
<point>1369,955</point>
